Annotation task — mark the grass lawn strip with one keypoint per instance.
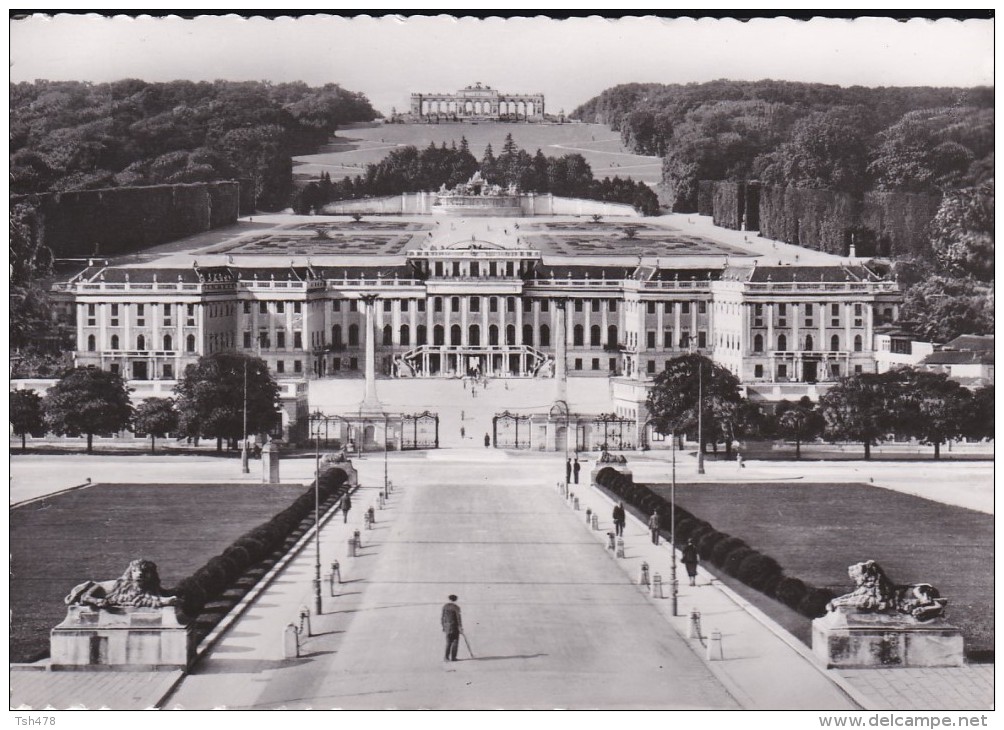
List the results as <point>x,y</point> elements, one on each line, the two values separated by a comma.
<point>816,530</point>
<point>93,533</point>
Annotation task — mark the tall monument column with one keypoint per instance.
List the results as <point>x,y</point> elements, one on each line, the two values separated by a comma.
<point>560,354</point>
<point>370,401</point>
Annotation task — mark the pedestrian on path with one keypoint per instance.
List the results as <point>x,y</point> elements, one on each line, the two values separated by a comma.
<point>653,525</point>
<point>488,440</point>
<point>619,518</point>
<point>575,469</point>
<point>346,505</point>
<point>690,559</point>
<point>452,627</point>
<point>462,432</point>
<point>739,461</point>
<point>568,470</point>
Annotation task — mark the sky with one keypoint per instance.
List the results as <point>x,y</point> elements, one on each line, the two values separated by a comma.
<point>569,61</point>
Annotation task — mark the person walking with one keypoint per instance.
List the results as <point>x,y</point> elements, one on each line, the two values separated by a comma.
<point>463,433</point>
<point>453,627</point>
<point>346,505</point>
<point>619,518</point>
<point>488,440</point>
<point>653,525</point>
<point>739,460</point>
<point>690,559</point>
<point>568,470</point>
<point>575,469</point>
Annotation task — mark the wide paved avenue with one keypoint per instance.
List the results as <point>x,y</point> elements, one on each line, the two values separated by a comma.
<point>552,620</point>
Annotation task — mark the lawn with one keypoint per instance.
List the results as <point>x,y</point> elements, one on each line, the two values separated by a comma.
<point>816,530</point>
<point>93,533</point>
<point>351,150</point>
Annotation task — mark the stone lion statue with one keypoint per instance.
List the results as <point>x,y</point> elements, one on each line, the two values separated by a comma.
<point>875,593</point>
<point>139,587</point>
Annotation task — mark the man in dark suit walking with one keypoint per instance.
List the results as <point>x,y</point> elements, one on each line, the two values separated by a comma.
<point>452,627</point>
<point>575,469</point>
<point>568,471</point>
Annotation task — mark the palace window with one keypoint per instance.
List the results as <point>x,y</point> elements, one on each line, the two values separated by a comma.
<point>684,307</point>
<point>758,343</point>
<point>247,307</point>
<point>420,335</point>
<point>782,343</point>
<point>455,335</point>
<point>168,342</point>
<point>528,334</point>
<point>685,339</point>
<point>667,307</point>
<point>857,369</point>
<point>353,335</point>
<point>91,315</point>
<point>438,335</point>
<point>577,335</point>
<point>667,339</point>
<point>190,315</point>
<point>420,304</point>
<point>280,366</point>
<point>405,335</point>
<point>612,305</point>
<point>280,307</point>
<point>475,304</point>
<point>280,340</point>
<point>474,335</point>
<point>858,343</point>
<point>758,371</point>
<point>140,343</point>
<point>857,315</point>
<point>527,305</point>
<point>782,314</point>
<point>595,306</point>
<point>353,305</point>
<point>387,305</point>
<point>387,335</point>
<point>510,304</point>
<point>808,315</point>
<point>595,336</point>
<point>296,308</point>
<point>758,315</point>
<point>168,371</point>
<point>437,304</point>
<point>140,315</point>
<point>809,343</point>
<point>595,365</point>
<point>247,340</point>
<point>651,307</point>
<point>297,366</point>
<point>353,363</point>
<point>115,342</point>
<point>834,343</point>
<point>702,339</point>
<point>545,305</point>
<point>650,339</point>
<point>455,304</point>
<point>115,315</point>
<point>190,343</point>
<point>834,315</point>
<point>612,336</point>
<point>578,363</point>
<point>545,336</point>
<point>702,307</point>
<point>782,370</point>
<point>510,334</point>
<point>493,304</point>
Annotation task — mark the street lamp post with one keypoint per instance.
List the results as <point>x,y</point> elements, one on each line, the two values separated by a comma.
<point>385,425</point>
<point>700,415</point>
<point>672,529</point>
<point>245,468</point>
<point>317,514</point>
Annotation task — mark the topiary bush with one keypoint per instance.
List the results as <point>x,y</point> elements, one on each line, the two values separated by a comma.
<point>814,603</point>
<point>708,541</point>
<point>736,558</point>
<point>757,569</point>
<point>724,548</point>
<point>790,592</point>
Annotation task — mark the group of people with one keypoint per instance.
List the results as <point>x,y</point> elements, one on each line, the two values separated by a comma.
<point>572,470</point>
<point>689,555</point>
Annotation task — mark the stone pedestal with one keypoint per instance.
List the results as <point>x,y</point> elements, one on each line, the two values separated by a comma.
<point>599,466</point>
<point>847,639</point>
<point>126,639</point>
<point>351,474</point>
<point>270,463</point>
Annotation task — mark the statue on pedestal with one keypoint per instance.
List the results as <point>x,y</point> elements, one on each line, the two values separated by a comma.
<point>875,593</point>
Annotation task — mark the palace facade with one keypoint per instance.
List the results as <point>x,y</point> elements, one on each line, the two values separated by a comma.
<point>478,102</point>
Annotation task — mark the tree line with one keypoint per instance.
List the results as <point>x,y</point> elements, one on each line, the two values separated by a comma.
<point>210,401</point>
<point>868,408</point>
<point>408,170</point>
<point>71,135</point>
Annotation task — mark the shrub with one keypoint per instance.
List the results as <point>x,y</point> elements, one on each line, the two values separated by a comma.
<point>702,529</point>
<point>724,548</point>
<point>790,592</point>
<point>814,603</point>
<point>708,541</point>
<point>756,569</point>
<point>686,527</point>
<point>736,558</point>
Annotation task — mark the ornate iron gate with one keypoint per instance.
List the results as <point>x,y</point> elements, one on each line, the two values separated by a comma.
<point>511,431</point>
<point>420,431</point>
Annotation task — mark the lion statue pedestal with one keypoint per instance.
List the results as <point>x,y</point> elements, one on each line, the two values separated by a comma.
<point>880,624</point>
<point>124,624</point>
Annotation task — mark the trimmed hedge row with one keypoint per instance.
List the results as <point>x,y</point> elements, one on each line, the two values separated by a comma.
<point>731,554</point>
<point>221,572</point>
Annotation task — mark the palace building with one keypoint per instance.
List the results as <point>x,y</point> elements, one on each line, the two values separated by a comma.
<point>478,102</point>
<point>446,296</point>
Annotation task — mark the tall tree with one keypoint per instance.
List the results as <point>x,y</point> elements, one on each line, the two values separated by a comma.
<point>211,397</point>
<point>87,401</point>
<point>962,232</point>
<point>673,399</point>
<point>932,408</point>
<point>981,422</point>
<point>154,416</point>
<point>861,408</point>
<point>25,414</point>
<point>799,421</point>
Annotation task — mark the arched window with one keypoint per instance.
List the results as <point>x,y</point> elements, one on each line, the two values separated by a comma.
<point>474,335</point>
<point>545,336</point>
<point>115,342</point>
<point>493,335</point>
<point>758,343</point>
<point>353,335</point>
<point>857,343</point>
<point>834,343</point>
<point>510,334</point>
<point>140,342</point>
<point>405,335</point>
<point>168,342</point>
<point>528,334</point>
<point>782,343</point>
<point>455,333</point>
<point>190,343</point>
<point>612,336</point>
<point>438,335</point>
<point>577,335</point>
<point>336,335</point>
<point>388,335</point>
<point>91,343</point>
<point>595,336</point>
<point>420,335</point>
<point>808,343</point>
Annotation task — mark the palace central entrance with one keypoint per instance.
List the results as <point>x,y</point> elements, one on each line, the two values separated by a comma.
<point>472,360</point>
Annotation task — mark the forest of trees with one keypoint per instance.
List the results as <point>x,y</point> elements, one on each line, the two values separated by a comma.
<point>849,141</point>
<point>409,169</point>
<point>71,135</point>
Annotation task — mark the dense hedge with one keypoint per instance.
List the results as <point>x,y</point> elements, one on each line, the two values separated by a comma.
<point>212,580</point>
<point>121,220</point>
<point>730,554</point>
<point>880,224</point>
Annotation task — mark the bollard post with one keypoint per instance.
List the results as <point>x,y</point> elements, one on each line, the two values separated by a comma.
<point>656,586</point>
<point>694,632</point>
<point>575,504</point>
<point>352,547</point>
<point>358,538</point>
<point>372,514</point>
<point>589,515</point>
<point>620,547</point>
<point>290,642</point>
<point>643,575</point>
<point>305,621</point>
<point>715,653</point>
<point>610,541</point>
<point>331,584</point>
<point>596,522</point>
<point>382,500</point>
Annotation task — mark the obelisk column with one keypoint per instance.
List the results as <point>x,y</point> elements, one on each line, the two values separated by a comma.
<point>560,354</point>
<point>370,401</point>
